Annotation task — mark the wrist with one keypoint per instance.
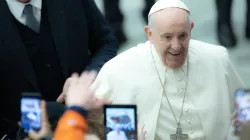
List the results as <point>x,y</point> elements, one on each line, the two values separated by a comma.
<point>79,109</point>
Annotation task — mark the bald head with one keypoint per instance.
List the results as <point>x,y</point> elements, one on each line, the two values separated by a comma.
<point>174,15</point>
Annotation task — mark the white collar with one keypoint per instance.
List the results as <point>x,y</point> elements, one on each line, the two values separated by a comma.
<point>36,3</point>
<point>18,7</point>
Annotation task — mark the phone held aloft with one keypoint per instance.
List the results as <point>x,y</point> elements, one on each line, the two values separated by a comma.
<point>31,112</point>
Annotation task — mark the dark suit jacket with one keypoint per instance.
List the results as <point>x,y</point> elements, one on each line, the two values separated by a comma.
<point>81,35</point>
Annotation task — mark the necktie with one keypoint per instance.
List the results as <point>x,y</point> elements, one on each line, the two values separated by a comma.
<point>31,21</point>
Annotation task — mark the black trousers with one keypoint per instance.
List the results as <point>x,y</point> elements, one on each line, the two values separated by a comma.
<point>224,11</point>
<point>115,17</point>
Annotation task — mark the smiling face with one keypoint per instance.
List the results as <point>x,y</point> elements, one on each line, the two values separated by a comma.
<point>170,34</point>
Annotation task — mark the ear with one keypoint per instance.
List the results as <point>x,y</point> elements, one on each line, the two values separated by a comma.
<point>192,26</point>
<point>148,32</point>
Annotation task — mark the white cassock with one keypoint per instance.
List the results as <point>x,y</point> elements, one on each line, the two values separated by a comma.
<point>131,78</point>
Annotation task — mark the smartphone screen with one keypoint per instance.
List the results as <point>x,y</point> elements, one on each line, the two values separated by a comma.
<point>31,113</point>
<point>120,122</point>
<point>242,97</point>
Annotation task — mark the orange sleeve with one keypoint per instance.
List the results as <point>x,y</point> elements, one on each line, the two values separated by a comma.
<point>71,126</point>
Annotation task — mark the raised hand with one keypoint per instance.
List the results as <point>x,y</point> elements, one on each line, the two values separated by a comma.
<point>80,94</point>
<point>142,133</point>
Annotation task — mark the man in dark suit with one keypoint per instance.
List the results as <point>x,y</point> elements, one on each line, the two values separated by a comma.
<point>225,33</point>
<point>42,42</point>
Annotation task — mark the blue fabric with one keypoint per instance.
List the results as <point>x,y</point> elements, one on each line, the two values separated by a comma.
<point>80,110</point>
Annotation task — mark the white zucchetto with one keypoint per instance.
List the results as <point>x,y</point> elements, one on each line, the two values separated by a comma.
<point>163,4</point>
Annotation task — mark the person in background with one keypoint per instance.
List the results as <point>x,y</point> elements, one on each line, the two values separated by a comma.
<point>115,17</point>
<point>43,42</point>
<point>225,33</point>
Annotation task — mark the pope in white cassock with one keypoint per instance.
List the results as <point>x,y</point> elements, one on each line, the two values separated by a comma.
<point>183,88</point>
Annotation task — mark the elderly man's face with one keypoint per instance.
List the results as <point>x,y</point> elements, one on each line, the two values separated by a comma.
<point>170,34</point>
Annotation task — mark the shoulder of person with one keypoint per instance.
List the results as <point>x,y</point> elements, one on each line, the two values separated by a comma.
<point>129,58</point>
<point>203,50</point>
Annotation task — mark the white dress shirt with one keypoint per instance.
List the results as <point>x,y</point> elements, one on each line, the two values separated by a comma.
<point>16,8</point>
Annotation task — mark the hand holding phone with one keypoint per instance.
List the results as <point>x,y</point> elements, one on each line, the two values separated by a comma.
<point>40,128</point>
<point>45,132</point>
<point>31,112</point>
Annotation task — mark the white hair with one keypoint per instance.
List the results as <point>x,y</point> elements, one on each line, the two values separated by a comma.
<point>150,20</point>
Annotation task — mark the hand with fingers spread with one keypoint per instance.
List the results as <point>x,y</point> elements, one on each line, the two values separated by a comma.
<point>142,133</point>
<point>80,94</point>
<point>45,130</point>
<point>79,97</point>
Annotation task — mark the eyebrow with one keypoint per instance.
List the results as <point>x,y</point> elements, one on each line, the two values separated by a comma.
<point>165,34</point>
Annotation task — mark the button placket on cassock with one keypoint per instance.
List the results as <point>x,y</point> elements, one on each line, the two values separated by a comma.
<point>175,87</point>
<point>190,121</point>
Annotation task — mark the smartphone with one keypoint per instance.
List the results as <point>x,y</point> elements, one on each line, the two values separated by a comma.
<point>120,122</point>
<point>31,112</point>
<point>242,98</point>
